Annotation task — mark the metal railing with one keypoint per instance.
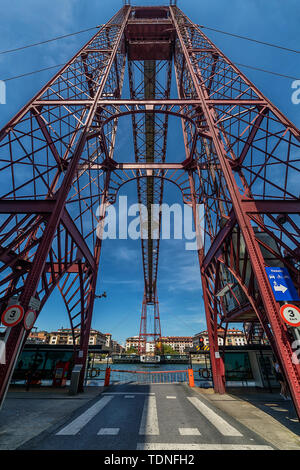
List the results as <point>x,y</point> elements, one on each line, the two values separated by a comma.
<point>149,377</point>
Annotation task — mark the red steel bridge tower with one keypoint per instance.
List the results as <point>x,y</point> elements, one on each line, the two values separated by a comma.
<point>241,163</point>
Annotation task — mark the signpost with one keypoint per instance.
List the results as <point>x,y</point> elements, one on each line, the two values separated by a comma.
<point>290,314</point>
<point>12,315</point>
<point>29,319</point>
<point>282,284</point>
<point>34,304</point>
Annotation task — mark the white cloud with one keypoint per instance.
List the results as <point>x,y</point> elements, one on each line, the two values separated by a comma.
<point>180,269</point>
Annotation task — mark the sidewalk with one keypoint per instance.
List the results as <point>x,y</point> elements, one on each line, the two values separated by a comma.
<point>267,414</point>
<point>26,414</point>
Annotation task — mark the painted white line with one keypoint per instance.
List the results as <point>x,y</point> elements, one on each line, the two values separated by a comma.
<point>108,431</point>
<point>170,397</point>
<point>148,446</point>
<point>223,427</point>
<point>159,384</point>
<point>126,393</point>
<point>129,396</point>
<point>149,421</point>
<point>189,431</point>
<point>75,426</point>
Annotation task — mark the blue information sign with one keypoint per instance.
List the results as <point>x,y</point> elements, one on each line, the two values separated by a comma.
<point>282,284</point>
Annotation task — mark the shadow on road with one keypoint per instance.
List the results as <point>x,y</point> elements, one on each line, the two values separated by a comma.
<point>271,403</point>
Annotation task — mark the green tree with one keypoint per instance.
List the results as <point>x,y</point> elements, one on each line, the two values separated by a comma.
<point>168,350</point>
<point>131,351</point>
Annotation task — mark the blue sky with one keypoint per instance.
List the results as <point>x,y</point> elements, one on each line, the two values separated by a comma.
<point>180,295</point>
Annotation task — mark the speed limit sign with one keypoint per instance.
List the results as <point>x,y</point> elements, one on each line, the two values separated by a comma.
<point>29,319</point>
<point>290,314</point>
<point>12,315</point>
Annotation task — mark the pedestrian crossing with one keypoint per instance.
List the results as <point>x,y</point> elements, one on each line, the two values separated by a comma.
<point>216,420</point>
<point>108,432</point>
<point>75,426</point>
<point>149,423</point>
<point>192,446</point>
<point>189,432</point>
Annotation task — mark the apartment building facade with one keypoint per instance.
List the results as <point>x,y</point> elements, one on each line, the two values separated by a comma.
<point>234,337</point>
<point>180,344</point>
<point>64,336</point>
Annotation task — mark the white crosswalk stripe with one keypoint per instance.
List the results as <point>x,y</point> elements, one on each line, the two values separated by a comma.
<point>189,431</point>
<point>75,426</point>
<point>149,421</point>
<point>177,446</point>
<point>108,431</point>
<point>222,426</point>
<point>126,393</point>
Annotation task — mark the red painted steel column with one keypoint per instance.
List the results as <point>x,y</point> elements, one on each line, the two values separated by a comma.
<point>292,371</point>
<point>16,336</point>
<point>217,363</point>
<point>86,326</point>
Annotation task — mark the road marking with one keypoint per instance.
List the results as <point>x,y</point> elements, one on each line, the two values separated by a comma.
<point>223,427</point>
<point>148,446</point>
<point>129,396</point>
<point>149,421</point>
<point>75,426</point>
<point>126,393</point>
<point>189,431</point>
<point>169,396</point>
<point>108,431</point>
<point>160,384</point>
<point>278,409</point>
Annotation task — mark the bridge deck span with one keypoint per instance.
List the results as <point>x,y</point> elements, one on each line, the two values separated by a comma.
<point>149,417</point>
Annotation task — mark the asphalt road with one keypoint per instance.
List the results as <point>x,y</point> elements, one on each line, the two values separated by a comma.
<point>148,417</point>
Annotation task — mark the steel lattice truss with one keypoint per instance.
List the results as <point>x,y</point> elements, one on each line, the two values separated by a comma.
<point>241,162</point>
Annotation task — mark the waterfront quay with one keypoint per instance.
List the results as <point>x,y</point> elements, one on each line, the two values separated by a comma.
<point>245,366</point>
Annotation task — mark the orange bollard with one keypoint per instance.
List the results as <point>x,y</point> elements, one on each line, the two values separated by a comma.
<point>191,378</point>
<point>107,377</point>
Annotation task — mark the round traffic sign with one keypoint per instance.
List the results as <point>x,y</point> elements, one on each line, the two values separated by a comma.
<point>12,315</point>
<point>290,314</point>
<point>29,319</point>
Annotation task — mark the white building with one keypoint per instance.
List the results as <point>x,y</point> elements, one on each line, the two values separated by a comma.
<point>234,337</point>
